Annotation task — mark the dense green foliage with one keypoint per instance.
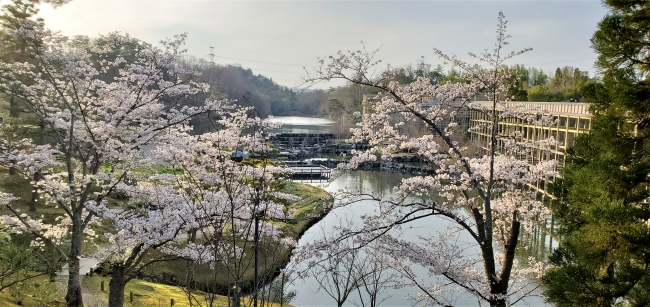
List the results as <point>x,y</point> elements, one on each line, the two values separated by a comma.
<point>527,84</point>
<point>532,84</point>
<point>604,257</point>
<point>605,244</point>
<point>268,97</point>
<point>13,48</point>
<point>410,73</point>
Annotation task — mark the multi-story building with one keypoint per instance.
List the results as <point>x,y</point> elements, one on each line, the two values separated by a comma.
<point>570,120</point>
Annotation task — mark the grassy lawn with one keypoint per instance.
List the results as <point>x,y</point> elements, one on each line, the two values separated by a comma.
<point>37,292</point>
<point>271,254</point>
<point>310,204</point>
<point>154,294</point>
<point>21,188</point>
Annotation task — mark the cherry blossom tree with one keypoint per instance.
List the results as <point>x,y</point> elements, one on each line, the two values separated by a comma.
<point>338,273</point>
<point>98,128</point>
<point>485,198</point>
<point>159,221</point>
<point>377,275</point>
<point>342,269</point>
<point>225,180</point>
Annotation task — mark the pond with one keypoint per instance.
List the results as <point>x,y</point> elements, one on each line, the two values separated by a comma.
<point>290,124</point>
<point>378,183</point>
<point>299,124</point>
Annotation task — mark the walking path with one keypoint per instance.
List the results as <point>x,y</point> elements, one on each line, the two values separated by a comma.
<point>85,264</point>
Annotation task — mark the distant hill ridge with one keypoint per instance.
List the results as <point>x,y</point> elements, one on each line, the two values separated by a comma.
<point>266,96</point>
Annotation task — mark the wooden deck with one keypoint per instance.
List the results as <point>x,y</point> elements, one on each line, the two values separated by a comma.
<point>311,171</point>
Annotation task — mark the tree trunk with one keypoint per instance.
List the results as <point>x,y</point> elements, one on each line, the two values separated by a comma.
<point>73,297</point>
<point>282,291</point>
<point>189,277</point>
<point>14,110</point>
<point>116,287</point>
<point>32,205</point>
<point>236,296</point>
<point>500,288</point>
<point>498,303</point>
<point>12,169</point>
<point>189,282</point>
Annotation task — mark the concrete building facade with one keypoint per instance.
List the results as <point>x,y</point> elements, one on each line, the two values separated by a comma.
<point>571,119</point>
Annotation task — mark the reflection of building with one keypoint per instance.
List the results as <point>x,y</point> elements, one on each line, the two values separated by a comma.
<point>571,119</point>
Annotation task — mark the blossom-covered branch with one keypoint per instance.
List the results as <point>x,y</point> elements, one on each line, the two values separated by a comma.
<point>486,197</point>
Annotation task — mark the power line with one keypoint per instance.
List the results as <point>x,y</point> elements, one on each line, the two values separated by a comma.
<point>284,72</point>
<point>272,63</point>
<point>256,69</point>
<point>295,80</point>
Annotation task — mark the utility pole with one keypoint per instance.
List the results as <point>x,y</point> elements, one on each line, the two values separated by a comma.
<point>211,55</point>
<point>421,66</point>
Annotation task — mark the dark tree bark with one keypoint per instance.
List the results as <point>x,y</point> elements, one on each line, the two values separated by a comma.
<point>14,110</point>
<point>73,297</point>
<point>116,287</point>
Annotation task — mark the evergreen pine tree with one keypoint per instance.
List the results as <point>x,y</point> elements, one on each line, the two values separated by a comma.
<point>604,256</point>
<point>17,14</point>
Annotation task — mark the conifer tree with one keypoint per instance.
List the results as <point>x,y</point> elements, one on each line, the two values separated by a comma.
<point>17,14</point>
<point>13,47</point>
<point>602,200</point>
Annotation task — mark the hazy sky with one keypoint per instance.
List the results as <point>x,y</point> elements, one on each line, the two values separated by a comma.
<point>278,38</point>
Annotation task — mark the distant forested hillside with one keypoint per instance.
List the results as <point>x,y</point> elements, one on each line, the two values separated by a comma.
<point>266,96</point>
<point>269,98</point>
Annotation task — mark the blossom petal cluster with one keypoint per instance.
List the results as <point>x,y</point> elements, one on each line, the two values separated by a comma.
<point>487,197</point>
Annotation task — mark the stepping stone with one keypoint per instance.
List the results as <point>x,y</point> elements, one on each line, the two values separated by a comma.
<point>147,288</point>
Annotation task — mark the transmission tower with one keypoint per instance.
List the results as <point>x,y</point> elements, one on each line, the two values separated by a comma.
<point>211,55</point>
<point>421,64</point>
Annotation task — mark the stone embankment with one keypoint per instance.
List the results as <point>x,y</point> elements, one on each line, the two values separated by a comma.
<point>296,146</point>
<point>397,165</point>
<point>307,145</point>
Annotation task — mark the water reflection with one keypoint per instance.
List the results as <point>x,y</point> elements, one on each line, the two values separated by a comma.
<point>382,183</point>
<point>299,124</point>
<point>290,124</point>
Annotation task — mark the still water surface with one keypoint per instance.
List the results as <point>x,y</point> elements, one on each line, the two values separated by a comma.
<point>299,124</point>
<point>377,183</point>
<point>290,124</point>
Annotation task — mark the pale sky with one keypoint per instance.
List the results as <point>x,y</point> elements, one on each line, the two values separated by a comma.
<point>278,38</point>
